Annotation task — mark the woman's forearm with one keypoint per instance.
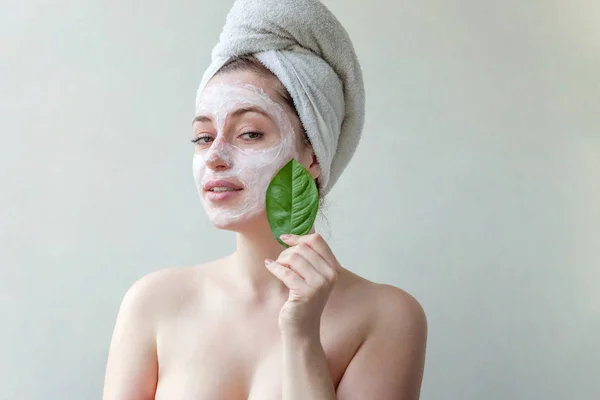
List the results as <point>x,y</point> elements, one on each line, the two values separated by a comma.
<point>305,370</point>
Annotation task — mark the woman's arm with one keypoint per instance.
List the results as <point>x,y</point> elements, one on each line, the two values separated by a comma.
<point>309,269</point>
<point>132,367</point>
<point>306,373</point>
<point>390,363</point>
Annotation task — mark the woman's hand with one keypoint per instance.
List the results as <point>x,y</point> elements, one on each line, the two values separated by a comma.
<point>309,269</point>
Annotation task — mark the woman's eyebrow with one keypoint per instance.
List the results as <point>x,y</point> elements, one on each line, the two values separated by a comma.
<point>202,118</point>
<point>235,114</point>
<point>243,110</point>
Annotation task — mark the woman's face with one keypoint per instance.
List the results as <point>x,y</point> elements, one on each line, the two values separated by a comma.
<point>244,134</point>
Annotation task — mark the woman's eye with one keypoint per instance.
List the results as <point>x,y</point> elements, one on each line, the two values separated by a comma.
<point>252,136</point>
<point>202,139</point>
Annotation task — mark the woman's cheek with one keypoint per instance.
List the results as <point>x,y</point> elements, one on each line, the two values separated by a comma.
<point>198,171</point>
<point>256,176</point>
<point>266,172</point>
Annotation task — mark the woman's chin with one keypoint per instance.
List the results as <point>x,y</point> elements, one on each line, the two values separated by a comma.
<point>226,225</point>
<point>237,223</point>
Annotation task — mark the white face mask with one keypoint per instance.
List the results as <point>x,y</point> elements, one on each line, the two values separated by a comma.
<point>250,167</point>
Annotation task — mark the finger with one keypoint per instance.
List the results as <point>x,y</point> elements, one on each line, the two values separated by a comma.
<point>289,278</point>
<point>317,243</point>
<point>321,265</point>
<point>290,239</point>
<point>299,262</point>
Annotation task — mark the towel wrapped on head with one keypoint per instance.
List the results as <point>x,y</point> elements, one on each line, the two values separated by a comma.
<point>309,51</point>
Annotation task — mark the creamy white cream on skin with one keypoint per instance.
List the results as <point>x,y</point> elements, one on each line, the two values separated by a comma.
<point>229,149</point>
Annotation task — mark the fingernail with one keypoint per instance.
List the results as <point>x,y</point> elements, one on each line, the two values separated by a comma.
<point>285,237</point>
<point>268,261</point>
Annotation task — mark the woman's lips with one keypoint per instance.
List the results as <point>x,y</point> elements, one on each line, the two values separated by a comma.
<point>220,185</point>
<point>221,190</point>
<point>222,196</point>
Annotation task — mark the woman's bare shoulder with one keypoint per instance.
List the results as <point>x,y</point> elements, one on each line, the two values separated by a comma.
<point>385,303</point>
<point>169,288</point>
<point>394,343</point>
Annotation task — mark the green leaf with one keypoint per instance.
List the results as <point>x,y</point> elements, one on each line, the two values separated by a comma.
<point>292,201</point>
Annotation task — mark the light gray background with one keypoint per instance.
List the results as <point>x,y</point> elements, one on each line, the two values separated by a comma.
<point>476,187</point>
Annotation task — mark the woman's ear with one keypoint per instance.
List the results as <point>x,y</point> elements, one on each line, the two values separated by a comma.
<point>308,159</point>
<point>315,167</point>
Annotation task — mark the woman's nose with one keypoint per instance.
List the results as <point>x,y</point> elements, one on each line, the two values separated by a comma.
<point>219,156</point>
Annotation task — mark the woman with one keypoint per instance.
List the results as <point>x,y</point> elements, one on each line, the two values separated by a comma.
<point>268,322</point>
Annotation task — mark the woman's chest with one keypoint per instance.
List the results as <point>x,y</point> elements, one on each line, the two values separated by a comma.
<point>232,360</point>
<point>211,376</point>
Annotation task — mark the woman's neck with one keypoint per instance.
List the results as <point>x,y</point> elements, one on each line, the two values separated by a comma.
<point>253,247</point>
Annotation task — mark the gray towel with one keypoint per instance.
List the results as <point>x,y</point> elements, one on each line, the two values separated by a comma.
<point>310,52</point>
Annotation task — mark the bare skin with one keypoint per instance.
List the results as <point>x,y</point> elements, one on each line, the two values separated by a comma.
<point>244,327</point>
<point>213,340</point>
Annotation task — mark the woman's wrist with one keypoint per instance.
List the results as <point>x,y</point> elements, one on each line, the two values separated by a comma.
<point>301,339</point>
